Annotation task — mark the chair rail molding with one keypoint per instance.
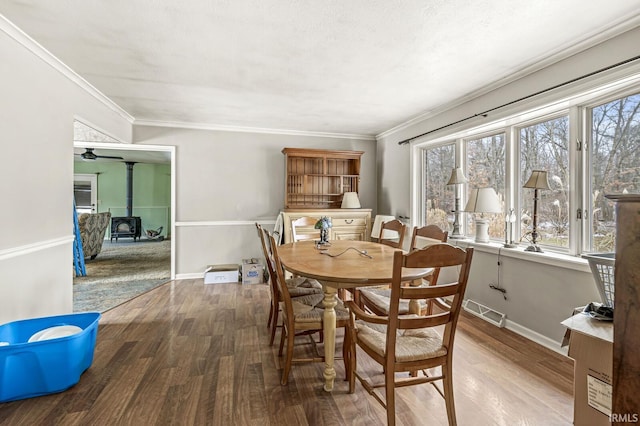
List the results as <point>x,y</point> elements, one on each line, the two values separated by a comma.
<point>251,222</point>
<point>34,247</point>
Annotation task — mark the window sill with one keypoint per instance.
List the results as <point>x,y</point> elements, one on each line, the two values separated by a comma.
<point>546,258</point>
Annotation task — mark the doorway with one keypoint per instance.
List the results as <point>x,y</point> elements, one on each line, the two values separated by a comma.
<point>85,192</point>
<point>98,184</point>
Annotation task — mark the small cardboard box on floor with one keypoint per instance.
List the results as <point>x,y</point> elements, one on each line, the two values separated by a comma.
<point>215,274</point>
<point>591,348</point>
<point>252,271</point>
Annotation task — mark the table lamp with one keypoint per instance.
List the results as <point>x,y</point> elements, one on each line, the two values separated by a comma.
<point>457,177</point>
<point>350,200</point>
<point>483,200</point>
<point>538,180</point>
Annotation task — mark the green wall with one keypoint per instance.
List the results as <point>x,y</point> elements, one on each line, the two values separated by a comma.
<point>151,191</point>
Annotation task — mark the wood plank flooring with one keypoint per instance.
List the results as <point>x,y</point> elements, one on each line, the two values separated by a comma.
<point>187,353</point>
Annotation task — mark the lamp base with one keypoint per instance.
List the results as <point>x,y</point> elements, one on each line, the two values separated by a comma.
<point>482,231</point>
<point>509,245</point>
<point>534,248</point>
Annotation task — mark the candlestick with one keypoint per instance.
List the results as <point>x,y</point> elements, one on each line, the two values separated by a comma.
<point>508,229</point>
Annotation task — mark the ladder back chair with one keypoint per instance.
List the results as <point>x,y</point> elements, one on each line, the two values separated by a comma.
<point>392,227</point>
<point>297,286</point>
<point>377,299</point>
<point>303,315</point>
<point>391,234</point>
<point>297,234</point>
<point>410,343</point>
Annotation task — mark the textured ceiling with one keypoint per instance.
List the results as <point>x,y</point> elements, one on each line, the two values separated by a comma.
<point>354,67</point>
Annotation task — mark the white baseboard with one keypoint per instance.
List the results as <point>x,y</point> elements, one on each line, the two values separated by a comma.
<point>190,276</point>
<point>535,337</point>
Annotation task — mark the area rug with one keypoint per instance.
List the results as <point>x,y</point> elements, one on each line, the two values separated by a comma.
<point>122,271</point>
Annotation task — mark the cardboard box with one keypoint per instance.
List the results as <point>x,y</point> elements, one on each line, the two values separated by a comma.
<point>221,274</point>
<point>591,348</point>
<point>252,271</point>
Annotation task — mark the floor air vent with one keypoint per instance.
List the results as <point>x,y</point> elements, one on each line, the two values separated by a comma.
<point>487,314</point>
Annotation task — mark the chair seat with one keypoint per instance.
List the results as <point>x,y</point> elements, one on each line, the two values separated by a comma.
<point>381,297</point>
<point>309,309</point>
<point>411,345</point>
<point>300,286</point>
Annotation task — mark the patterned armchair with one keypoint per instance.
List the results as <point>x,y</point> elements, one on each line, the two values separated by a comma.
<point>92,229</point>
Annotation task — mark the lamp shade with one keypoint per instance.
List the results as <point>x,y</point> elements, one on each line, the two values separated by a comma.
<point>457,176</point>
<point>538,180</point>
<point>377,223</point>
<point>350,200</point>
<point>483,200</point>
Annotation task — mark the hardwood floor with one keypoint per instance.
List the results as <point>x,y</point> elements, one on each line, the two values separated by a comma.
<point>189,353</point>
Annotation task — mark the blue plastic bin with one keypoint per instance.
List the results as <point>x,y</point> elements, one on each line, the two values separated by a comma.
<point>29,369</point>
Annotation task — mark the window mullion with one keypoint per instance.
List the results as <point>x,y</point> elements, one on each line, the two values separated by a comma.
<point>577,149</point>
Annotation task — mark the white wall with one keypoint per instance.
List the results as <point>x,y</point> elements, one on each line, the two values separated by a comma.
<point>539,295</point>
<point>226,181</point>
<point>37,108</point>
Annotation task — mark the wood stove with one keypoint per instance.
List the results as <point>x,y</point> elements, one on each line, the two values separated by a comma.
<point>127,226</point>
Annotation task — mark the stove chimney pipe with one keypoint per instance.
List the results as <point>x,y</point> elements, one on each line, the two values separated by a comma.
<point>129,188</point>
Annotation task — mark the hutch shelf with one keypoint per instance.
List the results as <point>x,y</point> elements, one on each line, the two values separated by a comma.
<point>317,178</point>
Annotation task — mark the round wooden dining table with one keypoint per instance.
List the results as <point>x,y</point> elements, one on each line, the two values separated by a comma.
<point>342,264</point>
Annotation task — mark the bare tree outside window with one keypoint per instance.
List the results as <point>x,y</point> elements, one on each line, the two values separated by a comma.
<point>486,168</point>
<point>615,164</point>
<point>439,198</point>
<point>544,146</point>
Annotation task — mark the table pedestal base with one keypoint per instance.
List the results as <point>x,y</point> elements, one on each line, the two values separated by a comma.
<point>329,328</point>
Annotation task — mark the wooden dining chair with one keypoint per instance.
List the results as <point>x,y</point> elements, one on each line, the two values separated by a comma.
<point>394,226</point>
<point>299,286</point>
<point>377,299</point>
<point>308,233</point>
<point>410,343</point>
<point>303,315</point>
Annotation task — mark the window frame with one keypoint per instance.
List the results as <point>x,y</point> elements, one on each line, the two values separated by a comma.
<point>516,172</point>
<point>464,164</point>
<point>576,103</point>
<point>586,115</point>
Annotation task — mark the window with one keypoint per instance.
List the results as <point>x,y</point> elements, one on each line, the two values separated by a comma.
<point>615,165</point>
<point>544,146</point>
<point>485,167</point>
<point>573,215</point>
<point>439,198</point>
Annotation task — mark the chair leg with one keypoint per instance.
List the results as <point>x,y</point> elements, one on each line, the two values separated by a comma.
<point>274,326</point>
<point>390,391</point>
<point>289,357</point>
<point>346,354</point>
<point>283,332</point>
<point>270,315</point>
<point>352,360</point>
<point>447,383</point>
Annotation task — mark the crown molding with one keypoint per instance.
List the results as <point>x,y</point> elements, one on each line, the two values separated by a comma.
<point>37,49</point>
<point>226,128</point>
<point>562,52</point>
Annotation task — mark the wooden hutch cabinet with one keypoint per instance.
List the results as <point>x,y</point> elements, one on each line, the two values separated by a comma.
<point>315,181</point>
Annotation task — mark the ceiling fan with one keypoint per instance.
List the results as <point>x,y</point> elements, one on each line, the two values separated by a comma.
<point>90,155</point>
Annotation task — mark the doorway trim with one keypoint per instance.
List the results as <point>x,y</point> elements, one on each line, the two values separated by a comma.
<point>171,149</point>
